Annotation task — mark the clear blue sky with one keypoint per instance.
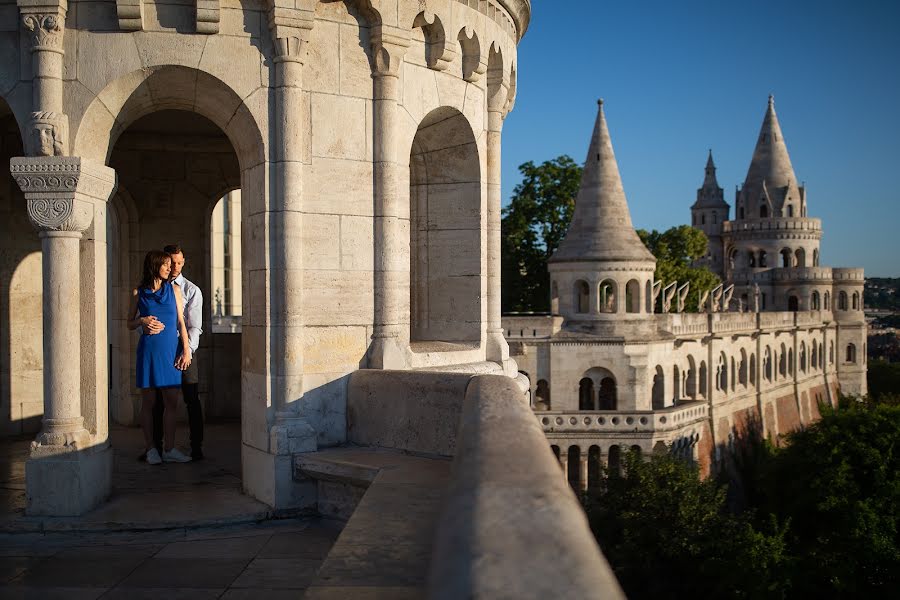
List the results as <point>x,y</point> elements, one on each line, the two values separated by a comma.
<point>678,78</point>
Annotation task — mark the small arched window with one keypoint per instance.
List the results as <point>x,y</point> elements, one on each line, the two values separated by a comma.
<point>762,258</point>
<point>814,301</point>
<point>790,210</point>
<point>582,296</point>
<point>851,353</point>
<point>763,211</point>
<point>842,301</point>
<point>855,300</point>
<point>703,219</point>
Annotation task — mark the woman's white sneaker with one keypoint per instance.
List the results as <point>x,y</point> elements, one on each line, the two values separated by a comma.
<point>173,455</point>
<point>153,457</point>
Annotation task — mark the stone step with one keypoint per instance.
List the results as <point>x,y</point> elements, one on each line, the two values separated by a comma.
<point>384,549</point>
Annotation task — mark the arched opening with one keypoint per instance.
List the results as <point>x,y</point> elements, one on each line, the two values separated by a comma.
<point>607,296</point>
<point>814,356</point>
<point>555,449</point>
<point>751,259</point>
<point>767,364</point>
<point>802,357</point>
<point>445,230</point>
<point>676,384</point>
<point>801,257</point>
<point>586,394</point>
<point>614,461</point>
<point>856,301</point>
<point>742,368</point>
<point>851,353</point>
<point>827,301</point>
<point>648,297</point>
<point>691,385</point>
<point>606,397</point>
<point>21,297</point>
<point>658,397</point>
<point>633,296</point>
<point>722,373</point>
<point>225,261</point>
<point>573,474</point>
<point>752,369</point>
<point>594,467</point>
<point>793,303</point>
<point>815,258</point>
<point>582,297</point>
<point>831,353</point>
<point>842,300</point>
<point>554,298</point>
<point>815,302</point>
<point>787,260</point>
<point>790,210</point>
<point>703,378</point>
<point>763,211</point>
<point>542,395</point>
<point>782,362</point>
<point>763,259</point>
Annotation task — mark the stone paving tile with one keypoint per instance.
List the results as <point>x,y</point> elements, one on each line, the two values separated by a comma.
<point>12,566</point>
<point>375,565</point>
<point>239,547</point>
<point>139,551</point>
<point>364,593</point>
<point>179,573</point>
<point>57,572</point>
<point>122,593</point>
<point>313,543</point>
<point>278,573</point>
<point>257,594</point>
<point>8,592</point>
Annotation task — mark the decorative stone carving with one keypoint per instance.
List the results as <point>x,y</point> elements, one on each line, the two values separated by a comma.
<point>726,297</point>
<point>46,29</point>
<point>49,134</point>
<point>701,303</point>
<point>131,14</point>
<point>439,51</point>
<point>60,190</point>
<point>682,296</point>
<point>668,294</point>
<point>208,16</point>
<point>715,300</point>
<point>290,27</point>
<point>389,45</point>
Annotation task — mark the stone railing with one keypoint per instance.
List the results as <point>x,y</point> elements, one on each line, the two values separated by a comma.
<point>773,224</point>
<point>490,541</point>
<point>731,322</point>
<point>688,323</point>
<point>525,325</point>
<point>769,320</point>
<point>637,421</point>
<point>848,274</point>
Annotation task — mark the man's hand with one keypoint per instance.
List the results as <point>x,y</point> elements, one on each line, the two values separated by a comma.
<point>151,325</point>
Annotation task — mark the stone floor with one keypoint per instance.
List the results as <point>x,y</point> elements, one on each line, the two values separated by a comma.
<point>203,493</point>
<point>272,560</point>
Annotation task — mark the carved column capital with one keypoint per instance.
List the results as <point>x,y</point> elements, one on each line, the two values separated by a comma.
<point>45,20</point>
<point>61,190</point>
<point>290,27</point>
<point>389,45</point>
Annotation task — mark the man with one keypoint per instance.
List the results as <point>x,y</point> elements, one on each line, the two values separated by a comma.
<point>190,379</point>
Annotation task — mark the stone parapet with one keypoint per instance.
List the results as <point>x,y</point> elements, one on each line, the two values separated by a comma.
<point>773,224</point>
<point>625,422</point>
<point>848,275</point>
<point>489,543</point>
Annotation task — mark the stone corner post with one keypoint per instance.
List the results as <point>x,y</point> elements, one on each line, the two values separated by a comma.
<point>496,346</point>
<point>389,340</point>
<point>69,472</point>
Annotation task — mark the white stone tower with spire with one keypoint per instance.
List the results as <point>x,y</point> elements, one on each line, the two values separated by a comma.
<point>708,214</point>
<point>602,274</point>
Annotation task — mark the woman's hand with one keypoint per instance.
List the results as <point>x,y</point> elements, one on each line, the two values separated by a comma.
<point>151,325</point>
<point>184,360</point>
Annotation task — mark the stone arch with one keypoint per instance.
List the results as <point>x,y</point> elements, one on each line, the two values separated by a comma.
<point>787,258</point>
<point>21,296</point>
<point>793,303</point>
<point>751,259</point>
<point>690,387</point>
<point>800,253</point>
<point>676,384</point>
<point>855,301</point>
<point>439,53</point>
<point>831,353</point>
<point>851,353</point>
<point>633,296</point>
<point>704,378</point>
<point>555,449</point>
<point>814,301</point>
<point>763,259</point>
<point>722,373</point>
<point>658,393</point>
<point>827,299</point>
<point>594,467</point>
<point>752,368</point>
<point>573,464</point>
<point>733,375</point>
<point>542,395</point>
<point>607,296</point>
<point>586,394</point>
<point>582,296</point>
<point>767,364</point>
<point>473,65</point>
<point>814,356</point>
<point>607,395</point>
<point>445,230</point>
<point>815,257</point>
<point>782,362</point>
<point>648,297</point>
<point>614,460</point>
<point>801,357</point>
<point>742,368</point>
<point>842,300</point>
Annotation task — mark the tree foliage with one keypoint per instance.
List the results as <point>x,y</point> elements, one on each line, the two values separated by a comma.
<point>533,224</point>
<point>675,250</point>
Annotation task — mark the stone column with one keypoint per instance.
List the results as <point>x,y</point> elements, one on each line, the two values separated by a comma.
<point>583,472</point>
<point>268,475</point>
<point>389,341</point>
<point>66,473</point>
<point>497,349</point>
<point>564,462</point>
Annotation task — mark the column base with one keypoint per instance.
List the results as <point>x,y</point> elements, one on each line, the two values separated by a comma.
<point>67,482</point>
<point>269,476</point>
<point>387,354</point>
<point>497,350</point>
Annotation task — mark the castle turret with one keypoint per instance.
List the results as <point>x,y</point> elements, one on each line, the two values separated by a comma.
<point>601,274</point>
<point>708,214</point>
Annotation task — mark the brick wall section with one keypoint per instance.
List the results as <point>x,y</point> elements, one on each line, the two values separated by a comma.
<point>788,416</point>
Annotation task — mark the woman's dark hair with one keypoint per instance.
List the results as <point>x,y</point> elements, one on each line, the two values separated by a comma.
<point>152,263</point>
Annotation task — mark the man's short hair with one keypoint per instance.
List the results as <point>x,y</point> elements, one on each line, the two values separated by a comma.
<point>173,249</point>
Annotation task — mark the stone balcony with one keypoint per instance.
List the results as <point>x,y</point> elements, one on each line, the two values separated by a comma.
<point>627,422</point>
<point>794,224</point>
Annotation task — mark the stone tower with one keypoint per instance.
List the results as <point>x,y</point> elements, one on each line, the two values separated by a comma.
<point>601,274</point>
<point>708,214</point>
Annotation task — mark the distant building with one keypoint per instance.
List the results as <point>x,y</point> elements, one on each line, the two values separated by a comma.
<point>608,371</point>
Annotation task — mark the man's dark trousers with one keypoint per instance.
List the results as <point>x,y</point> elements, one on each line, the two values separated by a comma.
<point>190,389</point>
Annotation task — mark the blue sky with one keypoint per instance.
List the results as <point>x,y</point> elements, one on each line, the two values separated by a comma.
<point>678,78</point>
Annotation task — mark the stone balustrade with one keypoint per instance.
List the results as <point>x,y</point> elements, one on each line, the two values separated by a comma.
<point>638,421</point>
<point>489,543</point>
<point>687,323</point>
<point>733,322</point>
<point>770,224</point>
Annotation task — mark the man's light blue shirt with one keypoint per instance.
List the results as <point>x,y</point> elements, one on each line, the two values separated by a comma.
<point>193,310</point>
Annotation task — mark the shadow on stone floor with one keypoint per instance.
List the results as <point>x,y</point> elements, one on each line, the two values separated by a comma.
<point>202,493</point>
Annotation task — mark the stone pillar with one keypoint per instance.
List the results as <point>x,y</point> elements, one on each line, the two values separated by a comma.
<point>583,472</point>
<point>497,349</point>
<point>268,475</point>
<point>564,462</point>
<point>69,471</point>
<point>389,341</point>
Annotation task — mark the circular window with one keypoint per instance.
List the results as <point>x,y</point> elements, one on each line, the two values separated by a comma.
<point>573,420</point>
<point>587,420</point>
<point>629,420</point>
<point>559,421</point>
<point>615,420</point>
<point>644,420</point>
<point>662,419</point>
<point>545,421</point>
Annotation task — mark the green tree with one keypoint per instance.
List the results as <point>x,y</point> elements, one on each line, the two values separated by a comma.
<point>675,250</point>
<point>669,534</point>
<point>838,482</point>
<point>533,224</point>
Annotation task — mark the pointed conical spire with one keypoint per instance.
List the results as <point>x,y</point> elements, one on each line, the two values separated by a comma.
<point>710,195</point>
<point>771,163</point>
<point>601,228</point>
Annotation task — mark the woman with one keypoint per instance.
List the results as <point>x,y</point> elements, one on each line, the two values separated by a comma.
<point>159,364</point>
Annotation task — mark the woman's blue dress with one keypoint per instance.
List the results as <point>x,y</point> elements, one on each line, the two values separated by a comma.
<point>156,353</point>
